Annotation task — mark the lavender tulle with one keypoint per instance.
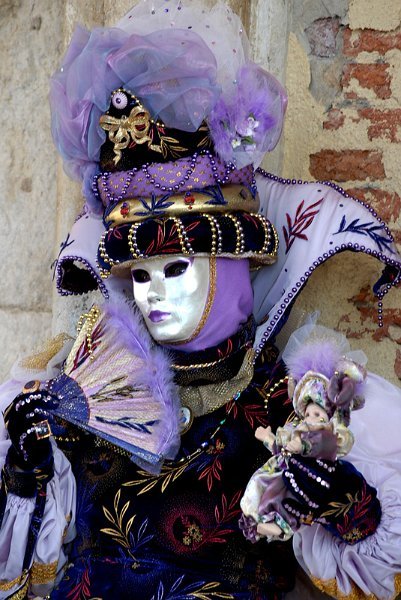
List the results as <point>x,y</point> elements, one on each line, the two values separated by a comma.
<point>247,123</point>
<point>172,70</point>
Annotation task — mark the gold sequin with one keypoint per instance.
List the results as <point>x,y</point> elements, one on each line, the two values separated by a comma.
<point>43,573</point>
<point>39,361</point>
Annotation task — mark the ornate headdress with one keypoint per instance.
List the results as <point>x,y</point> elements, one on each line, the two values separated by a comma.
<point>322,369</point>
<point>164,120</point>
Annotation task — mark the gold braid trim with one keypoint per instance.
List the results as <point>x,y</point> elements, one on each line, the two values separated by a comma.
<point>397,584</point>
<point>7,585</point>
<point>21,593</point>
<point>43,573</point>
<point>330,587</point>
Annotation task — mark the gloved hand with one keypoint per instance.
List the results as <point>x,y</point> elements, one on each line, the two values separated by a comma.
<point>334,494</point>
<point>27,422</point>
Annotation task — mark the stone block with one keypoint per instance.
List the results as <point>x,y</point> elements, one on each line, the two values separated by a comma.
<point>322,36</point>
<point>21,334</point>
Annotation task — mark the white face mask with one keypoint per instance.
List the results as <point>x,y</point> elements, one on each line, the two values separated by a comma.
<point>171,294</point>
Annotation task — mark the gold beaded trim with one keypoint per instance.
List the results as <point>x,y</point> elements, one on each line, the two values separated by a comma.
<point>132,243</point>
<point>265,224</point>
<point>239,233</point>
<point>66,438</point>
<point>89,319</point>
<point>43,573</point>
<point>266,397</point>
<point>216,241</point>
<point>182,236</point>
<point>103,253</point>
<point>237,198</point>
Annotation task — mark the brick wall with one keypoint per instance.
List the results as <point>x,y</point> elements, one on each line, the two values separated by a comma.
<point>344,125</point>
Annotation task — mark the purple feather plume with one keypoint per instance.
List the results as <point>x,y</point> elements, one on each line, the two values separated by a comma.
<point>157,376</point>
<point>320,356</point>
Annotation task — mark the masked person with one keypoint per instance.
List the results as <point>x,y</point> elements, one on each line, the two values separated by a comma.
<point>164,119</point>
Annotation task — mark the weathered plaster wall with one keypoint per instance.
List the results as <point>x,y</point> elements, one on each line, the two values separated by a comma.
<point>343,121</point>
<point>28,183</point>
<point>341,65</point>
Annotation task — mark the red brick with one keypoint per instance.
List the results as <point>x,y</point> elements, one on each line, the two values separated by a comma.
<point>386,204</point>
<point>366,304</point>
<point>346,165</point>
<point>384,123</point>
<point>370,40</point>
<point>373,76</point>
<point>351,96</point>
<point>335,119</point>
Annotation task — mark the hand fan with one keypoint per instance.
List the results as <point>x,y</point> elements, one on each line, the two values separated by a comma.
<point>117,385</point>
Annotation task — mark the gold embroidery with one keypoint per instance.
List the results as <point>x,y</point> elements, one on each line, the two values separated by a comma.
<point>136,128</point>
<point>120,532</point>
<point>170,472</point>
<point>330,587</point>
<point>397,584</point>
<point>39,361</point>
<point>21,593</point>
<point>43,573</point>
<point>5,586</point>
<point>237,198</point>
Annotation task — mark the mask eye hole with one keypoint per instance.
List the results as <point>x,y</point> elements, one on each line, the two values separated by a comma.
<point>175,269</point>
<point>119,100</point>
<point>140,276</point>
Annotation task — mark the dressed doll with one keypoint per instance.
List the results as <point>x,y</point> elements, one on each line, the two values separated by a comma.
<point>126,450</point>
<point>318,431</point>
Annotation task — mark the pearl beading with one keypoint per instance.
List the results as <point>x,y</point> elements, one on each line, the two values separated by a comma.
<point>287,300</point>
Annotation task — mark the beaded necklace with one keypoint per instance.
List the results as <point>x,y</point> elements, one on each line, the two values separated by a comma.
<point>190,457</point>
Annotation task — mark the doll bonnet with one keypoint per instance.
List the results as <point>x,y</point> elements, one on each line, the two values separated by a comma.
<point>322,369</point>
<point>163,119</point>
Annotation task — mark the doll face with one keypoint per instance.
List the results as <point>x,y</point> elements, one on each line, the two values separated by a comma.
<point>171,294</point>
<point>315,414</point>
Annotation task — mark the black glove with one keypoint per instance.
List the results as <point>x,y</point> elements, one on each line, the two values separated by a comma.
<point>27,422</point>
<point>334,494</point>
